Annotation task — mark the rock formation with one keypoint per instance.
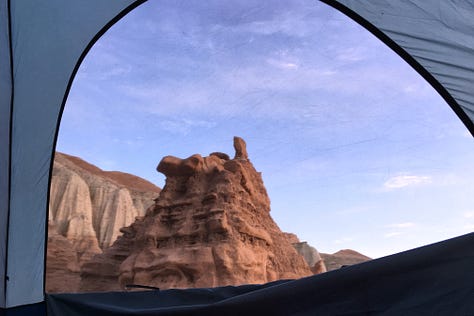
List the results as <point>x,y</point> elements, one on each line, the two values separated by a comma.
<point>89,206</point>
<point>311,256</point>
<point>309,253</point>
<point>345,257</point>
<point>210,226</point>
<point>62,268</point>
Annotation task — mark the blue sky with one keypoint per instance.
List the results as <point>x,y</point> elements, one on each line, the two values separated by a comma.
<point>356,149</point>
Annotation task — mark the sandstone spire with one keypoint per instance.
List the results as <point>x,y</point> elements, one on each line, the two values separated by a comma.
<point>210,226</point>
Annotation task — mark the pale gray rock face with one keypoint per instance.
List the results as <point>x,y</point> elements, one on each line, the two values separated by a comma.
<point>311,256</point>
<point>88,206</point>
<point>70,211</point>
<point>87,209</point>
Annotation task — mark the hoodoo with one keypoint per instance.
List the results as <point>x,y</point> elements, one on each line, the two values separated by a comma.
<point>210,226</point>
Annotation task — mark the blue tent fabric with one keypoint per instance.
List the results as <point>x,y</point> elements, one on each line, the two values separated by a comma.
<point>42,45</point>
<point>431,280</point>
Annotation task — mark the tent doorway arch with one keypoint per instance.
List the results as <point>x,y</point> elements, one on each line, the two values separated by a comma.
<point>28,141</point>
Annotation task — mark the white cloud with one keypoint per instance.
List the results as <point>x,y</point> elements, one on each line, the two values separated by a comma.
<point>352,54</point>
<point>290,23</point>
<point>401,225</point>
<point>282,64</point>
<point>184,126</point>
<point>393,234</point>
<point>403,181</point>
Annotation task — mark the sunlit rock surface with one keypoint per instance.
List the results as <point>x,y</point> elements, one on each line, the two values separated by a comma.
<point>210,226</point>
<point>87,207</point>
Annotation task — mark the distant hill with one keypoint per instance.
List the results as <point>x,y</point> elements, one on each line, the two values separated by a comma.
<point>343,257</point>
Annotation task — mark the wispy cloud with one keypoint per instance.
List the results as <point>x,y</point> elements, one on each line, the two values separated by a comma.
<point>402,181</point>
<point>290,23</point>
<point>393,234</point>
<point>401,225</point>
<point>352,54</point>
<point>282,64</point>
<point>184,126</point>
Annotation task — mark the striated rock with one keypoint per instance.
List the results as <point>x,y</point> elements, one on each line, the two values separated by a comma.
<point>210,226</point>
<point>89,206</point>
<point>342,258</point>
<point>70,211</point>
<point>309,253</point>
<point>311,256</point>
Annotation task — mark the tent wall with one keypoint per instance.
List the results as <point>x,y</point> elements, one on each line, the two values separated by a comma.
<point>435,37</point>
<point>48,41</point>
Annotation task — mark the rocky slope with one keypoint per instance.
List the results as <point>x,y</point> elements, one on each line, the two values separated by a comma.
<point>345,257</point>
<point>210,226</point>
<point>88,206</point>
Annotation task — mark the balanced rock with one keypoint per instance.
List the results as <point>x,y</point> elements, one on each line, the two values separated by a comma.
<point>210,227</point>
<point>240,149</point>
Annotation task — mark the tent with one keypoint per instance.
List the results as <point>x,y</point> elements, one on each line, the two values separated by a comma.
<point>42,44</point>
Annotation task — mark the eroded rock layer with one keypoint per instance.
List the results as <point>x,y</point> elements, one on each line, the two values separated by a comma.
<point>210,226</point>
<point>88,206</point>
<point>62,267</point>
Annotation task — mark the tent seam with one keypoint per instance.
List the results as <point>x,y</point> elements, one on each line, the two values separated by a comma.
<point>10,137</point>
